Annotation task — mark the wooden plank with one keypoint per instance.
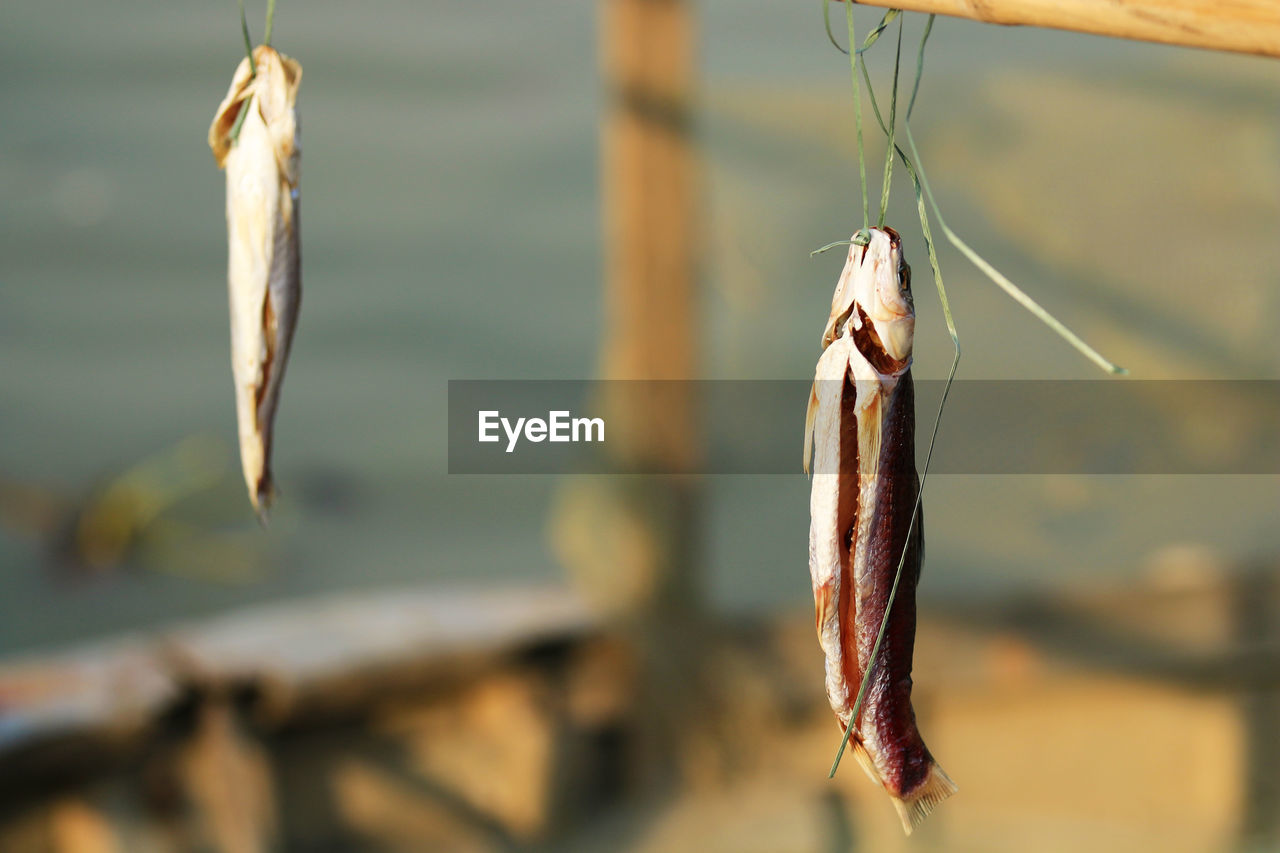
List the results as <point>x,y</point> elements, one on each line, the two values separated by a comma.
<point>475,759</point>
<point>1241,26</point>
<point>306,648</point>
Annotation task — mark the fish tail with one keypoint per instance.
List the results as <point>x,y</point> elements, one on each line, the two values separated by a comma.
<point>263,496</point>
<point>914,807</point>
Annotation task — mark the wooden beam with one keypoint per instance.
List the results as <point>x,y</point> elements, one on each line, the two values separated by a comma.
<point>1242,26</point>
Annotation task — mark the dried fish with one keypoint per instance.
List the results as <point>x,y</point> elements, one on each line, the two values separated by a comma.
<point>861,427</point>
<point>254,136</point>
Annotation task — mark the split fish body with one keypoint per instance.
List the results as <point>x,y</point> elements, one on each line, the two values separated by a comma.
<point>861,428</point>
<point>264,261</point>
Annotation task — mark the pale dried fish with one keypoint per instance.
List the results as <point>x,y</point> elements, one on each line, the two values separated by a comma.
<point>861,428</point>
<point>254,136</point>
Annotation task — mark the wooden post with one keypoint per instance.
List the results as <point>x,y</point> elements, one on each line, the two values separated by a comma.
<point>1258,624</point>
<point>631,542</point>
<point>647,54</point>
<point>1242,26</point>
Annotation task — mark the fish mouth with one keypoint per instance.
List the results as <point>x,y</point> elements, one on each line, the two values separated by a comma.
<point>885,321</point>
<point>893,293</point>
<point>873,301</point>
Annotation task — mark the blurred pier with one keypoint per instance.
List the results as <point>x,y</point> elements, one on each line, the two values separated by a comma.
<point>512,721</point>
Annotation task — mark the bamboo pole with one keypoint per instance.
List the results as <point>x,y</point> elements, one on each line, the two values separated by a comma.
<point>1242,26</point>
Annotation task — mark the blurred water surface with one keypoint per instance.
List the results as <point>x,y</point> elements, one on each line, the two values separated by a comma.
<point>451,230</point>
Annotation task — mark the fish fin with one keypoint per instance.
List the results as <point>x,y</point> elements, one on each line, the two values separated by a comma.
<point>810,413</point>
<point>870,437</point>
<point>870,406</point>
<point>821,601</point>
<point>917,805</point>
<point>263,497</point>
<point>228,111</point>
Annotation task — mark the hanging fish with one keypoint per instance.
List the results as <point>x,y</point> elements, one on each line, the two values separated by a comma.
<point>860,425</point>
<point>254,136</point>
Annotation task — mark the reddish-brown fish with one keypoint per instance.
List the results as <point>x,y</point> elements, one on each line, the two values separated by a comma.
<point>861,428</point>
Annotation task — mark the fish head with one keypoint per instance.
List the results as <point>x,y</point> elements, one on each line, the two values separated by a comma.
<point>843,299</point>
<point>882,297</point>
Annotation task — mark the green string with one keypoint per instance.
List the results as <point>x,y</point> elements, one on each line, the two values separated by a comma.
<point>253,72</point>
<point>893,123</point>
<point>981,263</point>
<point>923,189</point>
<point>271,19</point>
<point>248,42</point>
<point>860,239</point>
<point>253,67</point>
<point>826,20</point>
<point>1018,295</point>
<point>930,245</point>
<point>857,111</point>
<point>872,37</point>
<point>854,59</point>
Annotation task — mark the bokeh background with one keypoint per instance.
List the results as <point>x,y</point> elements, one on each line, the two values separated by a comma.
<point>1098,655</point>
